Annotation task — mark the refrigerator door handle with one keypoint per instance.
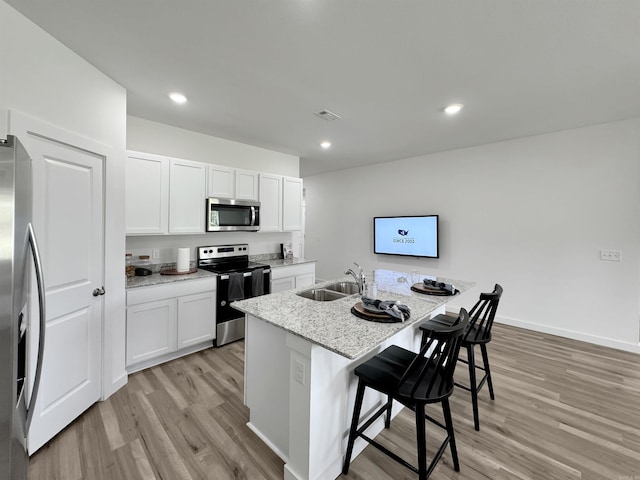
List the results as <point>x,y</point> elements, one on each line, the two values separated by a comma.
<point>37,261</point>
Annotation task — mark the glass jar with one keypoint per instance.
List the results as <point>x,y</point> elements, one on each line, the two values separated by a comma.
<point>144,261</point>
<point>143,266</point>
<point>130,268</point>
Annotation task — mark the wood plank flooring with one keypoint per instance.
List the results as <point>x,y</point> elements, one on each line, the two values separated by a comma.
<point>563,410</point>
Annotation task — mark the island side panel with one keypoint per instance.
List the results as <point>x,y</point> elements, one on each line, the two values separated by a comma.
<point>267,384</point>
<point>322,396</point>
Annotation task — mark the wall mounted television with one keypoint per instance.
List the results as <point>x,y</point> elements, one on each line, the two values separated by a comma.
<point>415,236</point>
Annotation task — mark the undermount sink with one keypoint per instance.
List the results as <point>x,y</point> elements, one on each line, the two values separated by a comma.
<point>343,287</point>
<point>330,292</point>
<point>321,294</point>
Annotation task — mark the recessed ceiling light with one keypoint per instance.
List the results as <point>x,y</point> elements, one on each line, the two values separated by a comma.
<point>453,108</point>
<point>325,145</point>
<point>177,97</point>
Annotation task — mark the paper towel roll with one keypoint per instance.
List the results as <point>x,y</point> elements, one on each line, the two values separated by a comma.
<point>184,257</point>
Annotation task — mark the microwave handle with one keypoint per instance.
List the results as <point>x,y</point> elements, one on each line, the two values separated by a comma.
<point>253,216</point>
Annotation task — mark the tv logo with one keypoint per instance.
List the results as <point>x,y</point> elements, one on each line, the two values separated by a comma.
<point>403,232</point>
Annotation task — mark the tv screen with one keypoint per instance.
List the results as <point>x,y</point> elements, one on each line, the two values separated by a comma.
<point>411,236</point>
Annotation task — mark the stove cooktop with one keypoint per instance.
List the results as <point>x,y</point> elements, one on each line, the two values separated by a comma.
<point>227,259</point>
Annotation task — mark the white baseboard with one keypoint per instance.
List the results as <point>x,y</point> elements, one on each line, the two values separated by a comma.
<point>561,332</point>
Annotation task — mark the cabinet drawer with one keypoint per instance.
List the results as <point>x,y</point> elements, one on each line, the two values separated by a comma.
<point>292,270</point>
<point>154,293</point>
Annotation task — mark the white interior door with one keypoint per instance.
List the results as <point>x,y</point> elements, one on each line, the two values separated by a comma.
<point>68,217</point>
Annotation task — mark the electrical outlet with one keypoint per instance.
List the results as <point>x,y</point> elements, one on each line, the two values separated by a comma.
<point>155,254</point>
<point>299,372</point>
<point>611,255</point>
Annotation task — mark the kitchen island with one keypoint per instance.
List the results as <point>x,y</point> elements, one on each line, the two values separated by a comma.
<point>299,360</point>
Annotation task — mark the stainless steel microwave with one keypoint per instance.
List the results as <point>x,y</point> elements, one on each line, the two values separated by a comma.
<point>228,215</point>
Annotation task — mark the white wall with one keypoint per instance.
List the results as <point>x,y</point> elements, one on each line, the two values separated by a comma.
<point>531,214</point>
<point>42,78</point>
<point>152,137</point>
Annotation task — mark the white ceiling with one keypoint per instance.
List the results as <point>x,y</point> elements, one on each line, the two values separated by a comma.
<point>255,70</point>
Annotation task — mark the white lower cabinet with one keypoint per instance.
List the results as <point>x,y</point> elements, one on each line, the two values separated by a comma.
<point>168,321</point>
<point>292,276</point>
<point>195,314</point>
<point>151,330</point>
<point>282,284</point>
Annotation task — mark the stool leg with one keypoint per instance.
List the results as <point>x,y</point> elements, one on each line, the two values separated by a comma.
<point>485,359</point>
<point>387,418</point>
<point>354,426</point>
<point>473,386</point>
<point>422,442</point>
<point>446,410</point>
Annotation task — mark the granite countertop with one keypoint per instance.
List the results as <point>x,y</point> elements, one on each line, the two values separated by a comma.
<point>332,325</point>
<point>274,263</point>
<point>158,279</point>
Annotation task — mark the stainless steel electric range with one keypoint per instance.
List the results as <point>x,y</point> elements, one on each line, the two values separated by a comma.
<point>237,279</point>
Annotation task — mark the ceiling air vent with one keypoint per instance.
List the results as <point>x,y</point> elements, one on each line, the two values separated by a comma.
<point>327,115</point>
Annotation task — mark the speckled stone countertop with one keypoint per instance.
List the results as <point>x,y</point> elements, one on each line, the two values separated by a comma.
<point>333,326</point>
<point>274,263</point>
<point>158,279</point>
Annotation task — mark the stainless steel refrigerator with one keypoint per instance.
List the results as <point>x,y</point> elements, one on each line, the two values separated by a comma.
<point>19,262</point>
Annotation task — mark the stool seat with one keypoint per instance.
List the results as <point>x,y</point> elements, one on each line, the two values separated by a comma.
<point>385,371</point>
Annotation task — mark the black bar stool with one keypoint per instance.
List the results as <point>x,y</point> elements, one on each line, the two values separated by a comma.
<point>414,380</point>
<point>478,333</point>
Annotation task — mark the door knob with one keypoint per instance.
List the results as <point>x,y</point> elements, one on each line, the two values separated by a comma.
<point>98,291</point>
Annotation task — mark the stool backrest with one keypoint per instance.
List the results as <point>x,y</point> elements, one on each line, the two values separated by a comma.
<point>482,315</point>
<point>430,375</point>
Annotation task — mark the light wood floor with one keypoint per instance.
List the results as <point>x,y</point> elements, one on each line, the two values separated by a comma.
<point>563,410</point>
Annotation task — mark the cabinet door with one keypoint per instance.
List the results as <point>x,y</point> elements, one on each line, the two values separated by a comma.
<point>305,280</point>
<point>196,319</point>
<point>246,185</point>
<point>282,284</point>
<point>146,194</point>
<point>292,204</point>
<point>270,203</point>
<point>221,181</point>
<point>186,196</point>
<point>151,330</point>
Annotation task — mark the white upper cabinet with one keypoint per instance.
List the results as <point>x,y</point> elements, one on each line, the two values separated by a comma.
<point>270,203</point>
<point>168,195</point>
<point>246,185</point>
<point>221,182</point>
<point>164,195</point>
<point>147,194</point>
<point>187,189</point>
<point>292,204</point>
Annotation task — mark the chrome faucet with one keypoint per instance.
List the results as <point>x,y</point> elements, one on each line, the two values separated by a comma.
<point>359,277</point>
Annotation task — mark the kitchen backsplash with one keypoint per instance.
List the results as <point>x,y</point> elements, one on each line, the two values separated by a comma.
<point>163,249</point>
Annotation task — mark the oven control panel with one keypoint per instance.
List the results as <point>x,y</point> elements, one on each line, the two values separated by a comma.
<point>223,251</point>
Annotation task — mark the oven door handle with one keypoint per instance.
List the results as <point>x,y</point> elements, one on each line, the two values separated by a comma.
<point>245,274</point>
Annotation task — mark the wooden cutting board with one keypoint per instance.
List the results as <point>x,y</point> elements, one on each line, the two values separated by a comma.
<point>429,290</point>
<point>173,271</point>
